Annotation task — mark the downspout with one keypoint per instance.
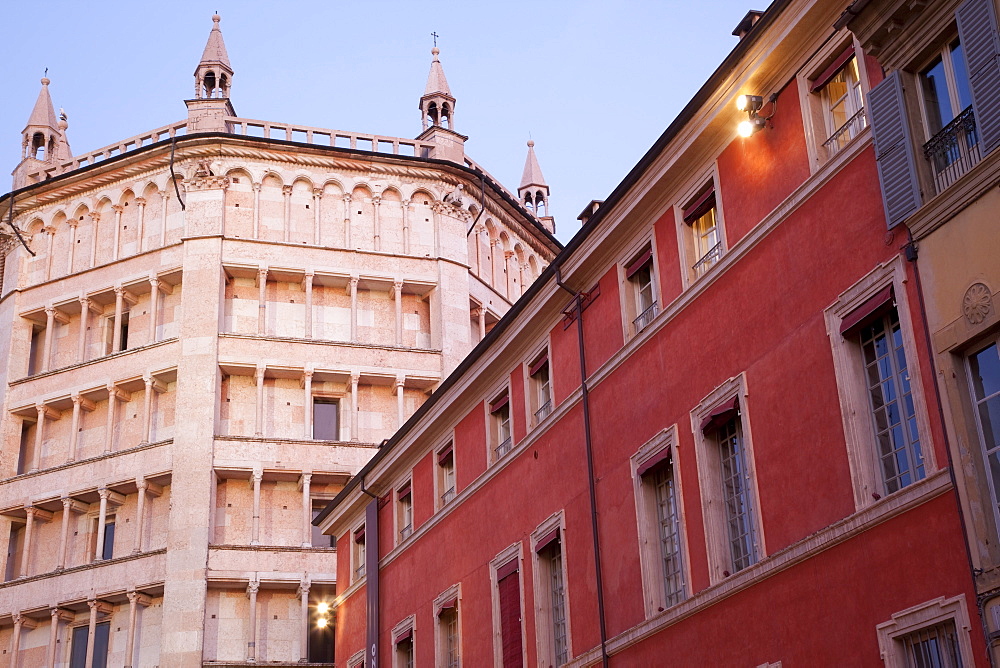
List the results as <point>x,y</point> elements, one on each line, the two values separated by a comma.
<point>585,396</point>
<point>910,251</point>
<point>373,637</point>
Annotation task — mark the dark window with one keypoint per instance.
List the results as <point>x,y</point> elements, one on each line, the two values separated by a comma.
<point>891,402</point>
<point>326,419</point>
<point>984,371</point>
<point>108,549</point>
<point>736,495</point>
<point>78,655</point>
<point>322,626</point>
<point>14,547</point>
<point>34,354</point>
<point>319,539</point>
<point>509,593</point>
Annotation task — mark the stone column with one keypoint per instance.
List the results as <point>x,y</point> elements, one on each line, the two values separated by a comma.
<point>377,240</point>
<point>309,304</point>
<point>400,409</point>
<point>262,301</point>
<point>354,406</point>
<point>406,226</point>
<point>347,221</point>
<point>69,506</point>
<point>101,518</point>
<point>117,208</point>
<point>397,291</point>
<point>36,456</point>
<point>144,489</point>
<point>493,262</point>
<point>135,599</point>
<point>259,376</point>
<point>72,245</point>
<point>255,529</point>
<point>304,598</point>
<point>507,255</point>
<point>81,346</point>
<point>317,202</point>
<point>116,344</point>
<point>109,429</point>
<point>287,216</point>
<point>252,588</point>
<point>29,525</point>
<point>96,217</point>
<point>15,639</point>
<point>140,231</point>
<point>163,218</point>
<point>154,307</point>
<point>152,385</point>
<point>304,482</point>
<point>50,323</point>
<point>354,308</point>
<point>49,243</point>
<point>57,615</point>
<point>91,632</point>
<point>79,404</point>
<point>256,211</point>
<point>307,379</point>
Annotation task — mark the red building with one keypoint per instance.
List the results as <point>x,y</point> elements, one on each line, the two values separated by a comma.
<point>709,433</point>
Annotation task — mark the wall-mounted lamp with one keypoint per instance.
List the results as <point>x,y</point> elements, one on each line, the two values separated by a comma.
<point>752,105</point>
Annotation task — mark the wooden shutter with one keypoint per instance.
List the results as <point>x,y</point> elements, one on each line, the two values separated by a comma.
<point>977,30</point>
<point>897,169</point>
<point>510,620</point>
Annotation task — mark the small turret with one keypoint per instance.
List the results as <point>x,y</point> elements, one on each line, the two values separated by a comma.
<point>43,140</point>
<point>534,192</point>
<point>437,115</point>
<point>212,82</point>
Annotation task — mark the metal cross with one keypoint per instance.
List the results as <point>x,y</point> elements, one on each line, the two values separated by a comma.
<point>46,71</point>
<point>435,36</point>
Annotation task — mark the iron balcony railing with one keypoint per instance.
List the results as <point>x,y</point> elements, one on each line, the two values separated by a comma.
<point>359,572</point>
<point>646,317</point>
<point>405,532</point>
<point>707,260</point>
<point>954,150</point>
<point>845,133</point>
<point>503,448</point>
<point>543,411</point>
<point>448,496</point>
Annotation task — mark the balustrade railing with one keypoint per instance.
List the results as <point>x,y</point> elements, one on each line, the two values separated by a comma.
<point>954,150</point>
<point>646,317</point>
<point>708,259</point>
<point>845,133</point>
<point>503,448</point>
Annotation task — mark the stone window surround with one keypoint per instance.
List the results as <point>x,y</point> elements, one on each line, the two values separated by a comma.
<point>922,616</point>
<point>543,597</point>
<point>515,551</point>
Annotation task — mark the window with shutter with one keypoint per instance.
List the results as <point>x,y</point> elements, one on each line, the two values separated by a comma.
<point>977,29</point>
<point>897,170</point>
<point>509,594</point>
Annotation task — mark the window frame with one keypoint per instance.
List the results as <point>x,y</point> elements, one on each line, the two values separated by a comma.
<point>541,573</point>
<point>710,483</point>
<point>943,52</point>
<point>687,245</point>
<point>441,475</point>
<point>976,427</point>
<point>406,625</point>
<point>852,385</point>
<point>632,290</point>
<point>452,593</point>
<point>817,122</point>
<point>403,506</point>
<point>497,426</point>
<point>357,553</point>
<point>663,444</point>
<point>503,558</point>
<point>930,613</point>
<point>326,399</point>
<point>534,385</point>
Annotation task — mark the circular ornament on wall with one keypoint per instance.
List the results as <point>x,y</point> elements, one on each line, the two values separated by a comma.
<point>977,303</point>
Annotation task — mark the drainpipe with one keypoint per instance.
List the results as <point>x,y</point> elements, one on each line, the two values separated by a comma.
<point>372,637</point>
<point>910,252</point>
<point>585,394</point>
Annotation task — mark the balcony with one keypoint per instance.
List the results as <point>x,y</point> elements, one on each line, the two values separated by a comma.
<point>448,496</point>
<point>845,133</point>
<point>708,260</point>
<point>503,448</point>
<point>543,411</point>
<point>646,317</point>
<point>953,151</point>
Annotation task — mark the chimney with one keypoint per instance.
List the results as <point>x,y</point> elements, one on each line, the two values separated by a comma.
<point>589,211</point>
<point>747,23</point>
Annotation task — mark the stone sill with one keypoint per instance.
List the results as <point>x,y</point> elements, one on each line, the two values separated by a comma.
<point>82,567</point>
<point>297,441</point>
<point>326,342</point>
<point>96,360</point>
<point>226,664</point>
<point>89,460</point>
<point>272,548</point>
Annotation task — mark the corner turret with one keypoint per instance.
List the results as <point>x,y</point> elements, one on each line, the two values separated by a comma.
<point>534,192</point>
<point>212,82</point>
<point>437,114</point>
<point>43,142</point>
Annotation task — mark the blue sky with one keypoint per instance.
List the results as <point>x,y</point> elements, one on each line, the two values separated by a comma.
<point>594,83</point>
